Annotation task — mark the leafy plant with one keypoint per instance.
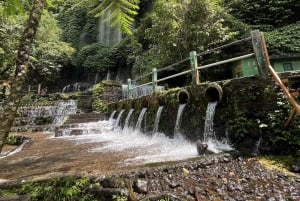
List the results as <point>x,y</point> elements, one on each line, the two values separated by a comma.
<point>68,188</point>
<point>120,197</point>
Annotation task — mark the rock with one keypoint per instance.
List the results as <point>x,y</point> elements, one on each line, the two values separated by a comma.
<point>201,147</point>
<point>296,167</point>
<point>141,186</point>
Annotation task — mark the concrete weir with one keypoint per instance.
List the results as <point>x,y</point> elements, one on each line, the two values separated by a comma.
<point>243,105</point>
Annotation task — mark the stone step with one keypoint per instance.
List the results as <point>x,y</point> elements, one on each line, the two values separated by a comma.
<point>85,117</point>
<point>16,198</point>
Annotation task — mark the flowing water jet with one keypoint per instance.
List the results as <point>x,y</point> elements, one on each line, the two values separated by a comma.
<point>112,115</point>
<point>140,119</point>
<point>177,133</point>
<point>118,119</point>
<point>126,125</point>
<point>157,119</point>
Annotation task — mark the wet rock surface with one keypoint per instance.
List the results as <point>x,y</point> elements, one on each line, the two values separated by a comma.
<point>212,177</point>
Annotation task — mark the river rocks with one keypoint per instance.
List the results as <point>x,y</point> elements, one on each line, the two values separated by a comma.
<point>222,178</point>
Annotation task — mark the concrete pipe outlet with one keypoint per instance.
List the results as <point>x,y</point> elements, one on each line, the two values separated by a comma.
<point>213,92</point>
<point>183,96</point>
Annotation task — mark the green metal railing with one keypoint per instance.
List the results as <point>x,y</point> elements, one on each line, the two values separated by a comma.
<point>194,70</point>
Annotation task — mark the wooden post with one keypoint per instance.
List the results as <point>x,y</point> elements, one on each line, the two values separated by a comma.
<point>259,53</point>
<point>194,66</point>
<point>129,88</point>
<point>39,89</point>
<point>154,80</point>
<point>29,89</point>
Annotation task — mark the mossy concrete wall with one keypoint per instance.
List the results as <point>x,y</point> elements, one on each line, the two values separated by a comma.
<point>247,112</point>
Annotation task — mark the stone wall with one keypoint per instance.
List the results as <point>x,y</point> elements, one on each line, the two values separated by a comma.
<point>250,112</point>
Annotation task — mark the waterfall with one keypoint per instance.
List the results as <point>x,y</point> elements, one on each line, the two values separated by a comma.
<point>209,122</point>
<point>118,118</point>
<point>178,120</point>
<point>157,119</point>
<point>112,115</point>
<point>63,110</point>
<point>209,137</point>
<point>126,125</point>
<point>140,119</point>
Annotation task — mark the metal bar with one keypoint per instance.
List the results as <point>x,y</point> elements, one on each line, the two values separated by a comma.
<point>277,78</point>
<point>175,75</point>
<point>227,61</point>
<point>165,68</point>
<point>224,46</point>
<point>135,87</point>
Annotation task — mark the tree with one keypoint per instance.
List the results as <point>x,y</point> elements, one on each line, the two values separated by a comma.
<point>12,102</point>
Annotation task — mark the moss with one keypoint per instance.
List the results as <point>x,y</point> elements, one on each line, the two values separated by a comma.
<point>97,103</point>
<point>279,163</point>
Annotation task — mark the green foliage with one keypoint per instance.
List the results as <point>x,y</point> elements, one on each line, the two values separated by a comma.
<point>187,26</point>
<point>97,103</point>
<point>79,28</point>
<point>121,12</point>
<point>265,15</point>
<point>49,53</point>
<point>284,40</point>
<point>11,140</point>
<point>120,197</point>
<point>94,58</point>
<point>9,34</point>
<point>272,126</point>
<point>68,188</point>
<point>239,126</point>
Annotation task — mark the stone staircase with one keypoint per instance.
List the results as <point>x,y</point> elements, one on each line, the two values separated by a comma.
<point>72,125</point>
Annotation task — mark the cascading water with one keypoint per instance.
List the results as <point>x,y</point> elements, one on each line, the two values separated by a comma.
<point>209,122</point>
<point>142,148</point>
<point>214,145</point>
<point>112,115</point>
<point>157,119</point>
<point>62,111</point>
<point>140,119</point>
<point>116,124</point>
<point>126,125</point>
<point>177,133</point>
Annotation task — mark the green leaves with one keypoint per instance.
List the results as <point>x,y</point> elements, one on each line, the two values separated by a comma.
<point>119,13</point>
<point>284,40</point>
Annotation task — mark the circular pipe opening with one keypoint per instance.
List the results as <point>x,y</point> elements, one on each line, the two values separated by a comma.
<point>183,96</point>
<point>213,92</point>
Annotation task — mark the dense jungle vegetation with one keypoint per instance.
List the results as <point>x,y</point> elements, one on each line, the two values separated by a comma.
<point>67,48</point>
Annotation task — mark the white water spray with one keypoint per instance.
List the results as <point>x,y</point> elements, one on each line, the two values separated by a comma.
<point>177,133</point>
<point>126,125</point>
<point>140,119</point>
<point>209,136</point>
<point>157,119</point>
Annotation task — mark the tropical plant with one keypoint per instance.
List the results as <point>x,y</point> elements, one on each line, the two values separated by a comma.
<point>22,60</point>
<point>49,53</point>
<point>121,15</point>
<point>186,26</point>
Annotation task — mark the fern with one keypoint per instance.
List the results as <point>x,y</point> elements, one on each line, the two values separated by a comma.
<point>122,12</point>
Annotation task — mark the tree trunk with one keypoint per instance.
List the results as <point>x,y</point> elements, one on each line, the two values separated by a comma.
<point>12,102</point>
